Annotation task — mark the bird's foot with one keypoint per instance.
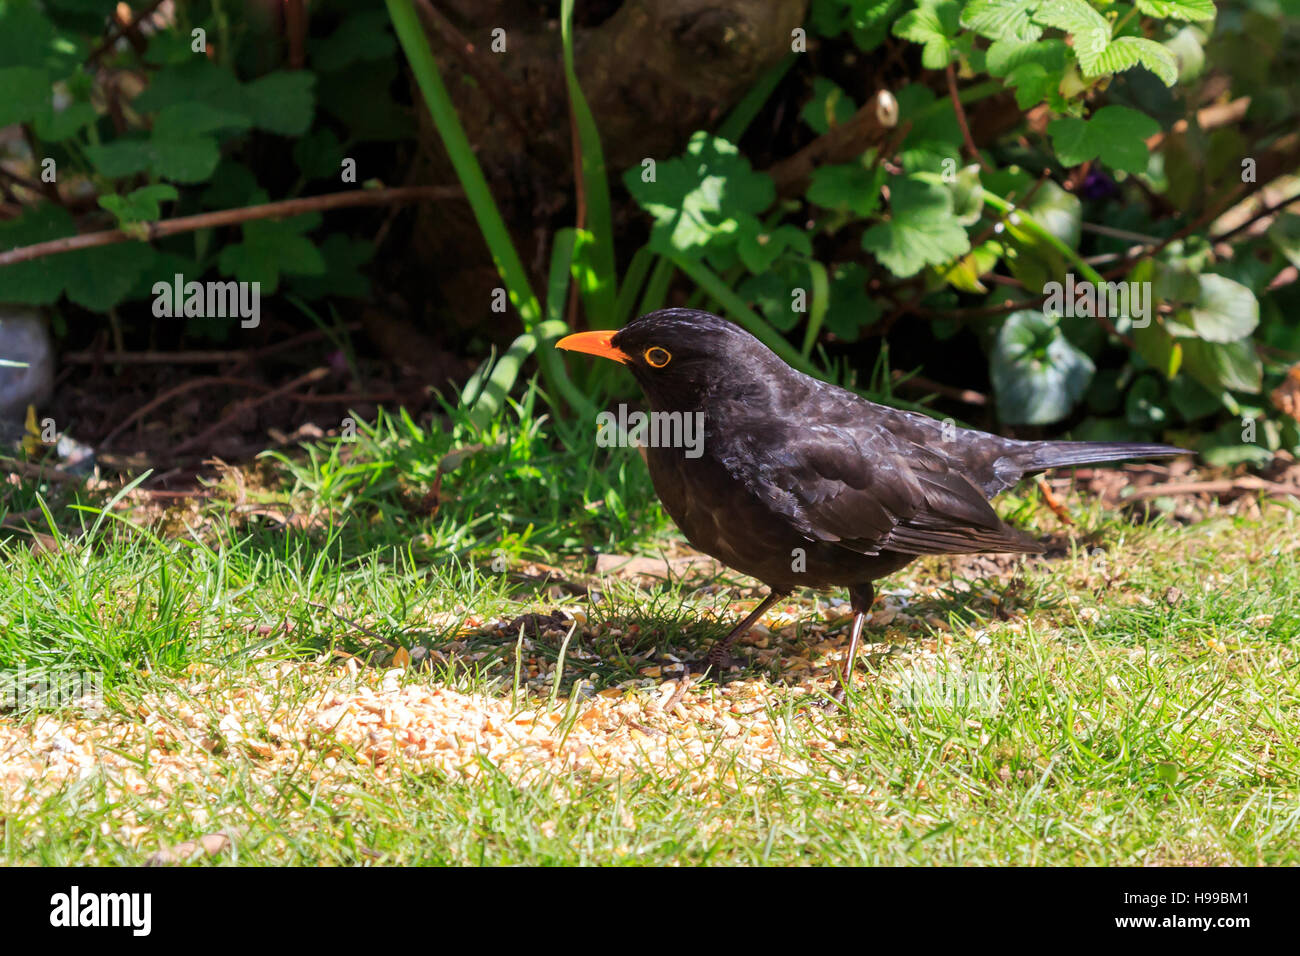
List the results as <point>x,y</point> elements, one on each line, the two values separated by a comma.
<point>714,662</point>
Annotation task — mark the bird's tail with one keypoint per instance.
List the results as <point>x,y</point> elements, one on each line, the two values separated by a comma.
<point>1056,454</point>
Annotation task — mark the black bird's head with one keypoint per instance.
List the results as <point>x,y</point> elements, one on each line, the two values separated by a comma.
<point>680,356</point>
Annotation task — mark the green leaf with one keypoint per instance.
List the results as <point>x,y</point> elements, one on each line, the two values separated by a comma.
<point>1158,348</point>
<point>1225,310</point>
<point>27,38</point>
<point>1285,235</point>
<point>1178,9</point>
<point>933,23</point>
<point>1143,405</point>
<point>361,37</point>
<point>101,278</point>
<point>1096,52</point>
<point>705,197</point>
<point>1220,366</point>
<point>187,120</point>
<point>1038,375</point>
<point>773,293</point>
<point>319,154</point>
<point>1126,52</point>
<point>921,230</point>
<point>282,102</point>
<point>190,160</point>
<point>1002,19</point>
<point>851,307</point>
<point>26,94</point>
<point>1115,133</point>
<point>41,281</point>
<point>196,80</point>
<point>829,106</point>
<point>847,187</point>
<point>54,126</point>
<point>358,96</point>
<point>758,250</point>
<point>343,257</point>
<point>269,249</point>
<point>140,205</point>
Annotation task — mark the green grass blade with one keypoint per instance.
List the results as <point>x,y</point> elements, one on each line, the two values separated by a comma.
<point>601,292</point>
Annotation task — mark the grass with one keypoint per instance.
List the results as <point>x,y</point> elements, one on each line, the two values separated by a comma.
<point>1141,706</point>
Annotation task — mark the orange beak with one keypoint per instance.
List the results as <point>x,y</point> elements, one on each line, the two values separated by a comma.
<point>594,343</point>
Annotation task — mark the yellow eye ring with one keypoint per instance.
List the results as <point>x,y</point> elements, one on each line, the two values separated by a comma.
<point>656,357</point>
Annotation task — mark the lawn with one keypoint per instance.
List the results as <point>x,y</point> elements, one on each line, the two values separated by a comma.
<point>397,650</point>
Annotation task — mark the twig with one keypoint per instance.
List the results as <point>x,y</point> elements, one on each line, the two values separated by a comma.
<point>1261,213</point>
<point>923,384</point>
<point>171,393</point>
<point>360,627</point>
<point>295,31</point>
<point>216,356</point>
<point>1223,486</point>
<point>315,375</point>
<point>39,472</point>
<point>121,29</point>
<point>869,126</point>
<point>961,119</point>
<point>228,217</point>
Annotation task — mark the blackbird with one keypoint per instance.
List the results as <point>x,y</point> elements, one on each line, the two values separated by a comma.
<point>800,483</point>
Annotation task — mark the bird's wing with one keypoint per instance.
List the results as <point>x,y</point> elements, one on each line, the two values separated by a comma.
<point>867,489</point>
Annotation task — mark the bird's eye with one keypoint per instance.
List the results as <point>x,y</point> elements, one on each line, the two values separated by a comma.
<point>657,357</point>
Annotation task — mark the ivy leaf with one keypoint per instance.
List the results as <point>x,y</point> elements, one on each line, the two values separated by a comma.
<point>1225,311</point>
<point>1002,19</point>
<point>1038,375</point>
<point>271,248</point>
<point>702,199</point>
<point>26,94</point>
<point>829,106</point>
<point>1178,9</point>
<point>1115,133</point>
<point>282,102</point>
<point>933,23</point>
<point>920,231</point>
<point>847,187</point>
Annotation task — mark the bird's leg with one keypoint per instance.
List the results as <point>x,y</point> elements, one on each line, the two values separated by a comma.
<point>719,650</point>
<point>860,599</point>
